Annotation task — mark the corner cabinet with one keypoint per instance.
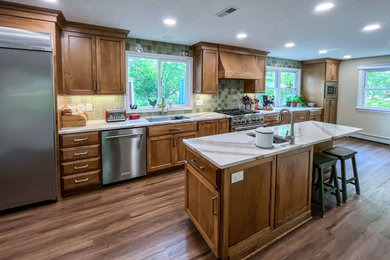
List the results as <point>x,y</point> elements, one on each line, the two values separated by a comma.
<point>93,61</point>
<point>205,68</point>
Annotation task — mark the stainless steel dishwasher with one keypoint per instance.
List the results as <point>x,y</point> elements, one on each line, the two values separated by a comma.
<point>123,154</point>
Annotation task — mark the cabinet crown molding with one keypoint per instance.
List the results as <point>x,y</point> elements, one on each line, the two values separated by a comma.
<point>324,60</point>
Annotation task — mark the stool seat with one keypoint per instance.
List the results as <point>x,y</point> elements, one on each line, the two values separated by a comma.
<point>341,152</point>
<point>321,160</point>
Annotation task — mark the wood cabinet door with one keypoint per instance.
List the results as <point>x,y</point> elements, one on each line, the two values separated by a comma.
<point>180,147</point>
<point>223,126</point>
<point>293,185</point>
<point>332,71</point>
<point>202,203</point>
<point>110,65</point>
<point>330,110</point>
<point>79,63</point>
<point>206,128</point>
<point>160,152</point>
<point>209,72</point>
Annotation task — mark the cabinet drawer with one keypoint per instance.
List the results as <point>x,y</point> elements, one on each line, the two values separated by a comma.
<point>315,112</point>
<point>74,167</point>
<point>78,153</point>
<point>172,129</point>
<point>271,117</point>
<point>301,116</point>
<point>80,180</point>
<point>207,170</point>
<point>80,139</point>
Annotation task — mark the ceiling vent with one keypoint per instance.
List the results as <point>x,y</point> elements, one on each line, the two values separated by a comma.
<point>226,11</point>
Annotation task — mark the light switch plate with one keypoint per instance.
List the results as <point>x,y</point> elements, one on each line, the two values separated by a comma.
<point>89,108</point>
<point>199,102</point>
<point>237,176</point>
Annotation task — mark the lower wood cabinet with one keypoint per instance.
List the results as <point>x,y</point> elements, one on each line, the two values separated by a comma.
<point>293,185</point>
<point>206,128</point>
<point>160,152</point>
<point>181,149</point>
<point>223,126</point>
<point>202,203</point>
<point>330,110</point>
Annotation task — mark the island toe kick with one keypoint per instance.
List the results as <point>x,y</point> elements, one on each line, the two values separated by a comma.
<point>241,209</point>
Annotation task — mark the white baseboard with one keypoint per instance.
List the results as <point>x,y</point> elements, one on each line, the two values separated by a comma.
<point>374,138</point>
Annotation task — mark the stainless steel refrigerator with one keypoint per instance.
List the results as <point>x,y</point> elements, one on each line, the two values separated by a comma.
<point>27,118</point>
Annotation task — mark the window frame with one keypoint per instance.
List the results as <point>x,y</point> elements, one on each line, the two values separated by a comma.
<point>160,58</point>
<point>362,83</point>
<point>278,88</point>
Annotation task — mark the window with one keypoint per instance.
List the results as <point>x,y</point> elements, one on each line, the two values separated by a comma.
<point>152,77</point>
<point>374,87</point>
<point>282,83</point>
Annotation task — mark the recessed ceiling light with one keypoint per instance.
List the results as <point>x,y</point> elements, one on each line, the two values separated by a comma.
<point>52,1</point>
<point>289,45</point>
<point>241,35</point>
<point>347,56</point>
<point>167,37</point>
<point>322,51</point>
<point>324,6</point>
<point>371,27</point>
<point>170,21</point>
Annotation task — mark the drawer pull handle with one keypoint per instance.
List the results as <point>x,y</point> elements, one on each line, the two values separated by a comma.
<point>80,139</point>
<point>81,180</point>
<point>197,164</point>
<point>174,129</point>
<point>81,167</point>
<point>81,154</point>
<point>214,200</point>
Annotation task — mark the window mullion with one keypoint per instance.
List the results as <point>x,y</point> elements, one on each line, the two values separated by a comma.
<point>279,86</point>
<point>159,82</point>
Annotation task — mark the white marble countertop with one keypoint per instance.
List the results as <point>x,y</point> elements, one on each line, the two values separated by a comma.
<point>294,109</point>
<point>236,148</point>
<point>101,125</point>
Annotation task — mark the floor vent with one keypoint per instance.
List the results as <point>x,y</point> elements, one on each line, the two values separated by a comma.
<point>226,11</point>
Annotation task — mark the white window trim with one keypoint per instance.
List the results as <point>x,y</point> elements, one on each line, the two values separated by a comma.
<point>278,88</point>
<point>362,83</point>
<point>161,57</point>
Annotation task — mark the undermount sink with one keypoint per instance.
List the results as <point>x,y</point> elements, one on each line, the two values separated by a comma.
<point>277,139</point>
<point>166,118</point>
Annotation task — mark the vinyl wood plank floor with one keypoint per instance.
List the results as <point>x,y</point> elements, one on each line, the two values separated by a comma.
<point>145,219</point>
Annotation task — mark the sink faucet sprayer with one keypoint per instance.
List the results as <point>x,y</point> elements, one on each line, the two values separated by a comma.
<point>290,137</point>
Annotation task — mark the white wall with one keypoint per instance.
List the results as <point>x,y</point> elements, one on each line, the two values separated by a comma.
<point>373,123</point>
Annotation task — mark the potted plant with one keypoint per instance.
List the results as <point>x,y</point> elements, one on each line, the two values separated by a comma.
<point>298,100</point>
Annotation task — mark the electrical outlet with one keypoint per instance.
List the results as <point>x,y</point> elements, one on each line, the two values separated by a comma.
<point>237,176</point>
<point>199,102</point>
<point>89,108</point>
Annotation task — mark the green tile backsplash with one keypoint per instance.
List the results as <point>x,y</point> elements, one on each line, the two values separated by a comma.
<point>230,92</point>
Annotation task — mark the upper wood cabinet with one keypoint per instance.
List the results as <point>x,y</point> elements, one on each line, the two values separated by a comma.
<point>93,60</point>
<point>332,71</point>
<point>205,69</point>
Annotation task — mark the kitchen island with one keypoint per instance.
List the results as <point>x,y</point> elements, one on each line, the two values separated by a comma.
<point>242,198</point>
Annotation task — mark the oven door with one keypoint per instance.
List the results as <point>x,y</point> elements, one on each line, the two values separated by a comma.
<point>331,89</point>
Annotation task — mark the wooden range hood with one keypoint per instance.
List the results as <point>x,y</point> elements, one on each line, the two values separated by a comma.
<point>240,63</point>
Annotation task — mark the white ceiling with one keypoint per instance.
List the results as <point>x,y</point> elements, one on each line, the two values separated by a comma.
<point>269,24</point>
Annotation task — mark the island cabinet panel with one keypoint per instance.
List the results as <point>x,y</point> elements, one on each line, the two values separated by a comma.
<point>202,204</point>
<point>293,185</point>
<point>206,128</point>
<point>160,152</point>
<point>251,202</point>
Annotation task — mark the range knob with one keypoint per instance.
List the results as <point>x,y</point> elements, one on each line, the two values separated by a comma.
<point>243,121</point>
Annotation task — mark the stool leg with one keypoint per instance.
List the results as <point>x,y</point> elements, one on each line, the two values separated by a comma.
<point>321,190</point>
<point>355,173</point>
<point>343,180</point>
<point>336,183</point>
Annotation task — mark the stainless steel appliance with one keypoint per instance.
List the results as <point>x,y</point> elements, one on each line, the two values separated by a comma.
<point>115,115</point>
<point>243,119</point>
<point>124,154</point>
<point>331,89</point>
<point>27,119</point>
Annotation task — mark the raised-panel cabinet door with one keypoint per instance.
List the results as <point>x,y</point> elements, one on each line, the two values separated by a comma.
<point>258,85</point>
<point>223,126</point>
<point>210,72</point>
<point>79,63</point>
<point>181,149</point>
<point>110,65</point>
<point>202,203</point>
<point>293,185</point>
<point>330,110</point>
<point>332,71</point>
<point>160,152</point>
<point>208,128</point>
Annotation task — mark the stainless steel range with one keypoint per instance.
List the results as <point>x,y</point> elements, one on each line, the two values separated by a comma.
<point>243,119</point>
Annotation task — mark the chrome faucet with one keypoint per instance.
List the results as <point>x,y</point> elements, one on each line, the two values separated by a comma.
<point>163,105</point>
<point>290,137</point>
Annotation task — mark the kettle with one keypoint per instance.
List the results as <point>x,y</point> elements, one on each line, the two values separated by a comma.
<point>264,137</point>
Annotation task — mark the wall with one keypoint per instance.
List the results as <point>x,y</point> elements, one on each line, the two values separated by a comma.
<point>373,123</point>
<point>230,92</point>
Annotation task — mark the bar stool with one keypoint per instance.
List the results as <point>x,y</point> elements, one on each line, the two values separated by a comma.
<point>344,154</point>
<point>322,161</point>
